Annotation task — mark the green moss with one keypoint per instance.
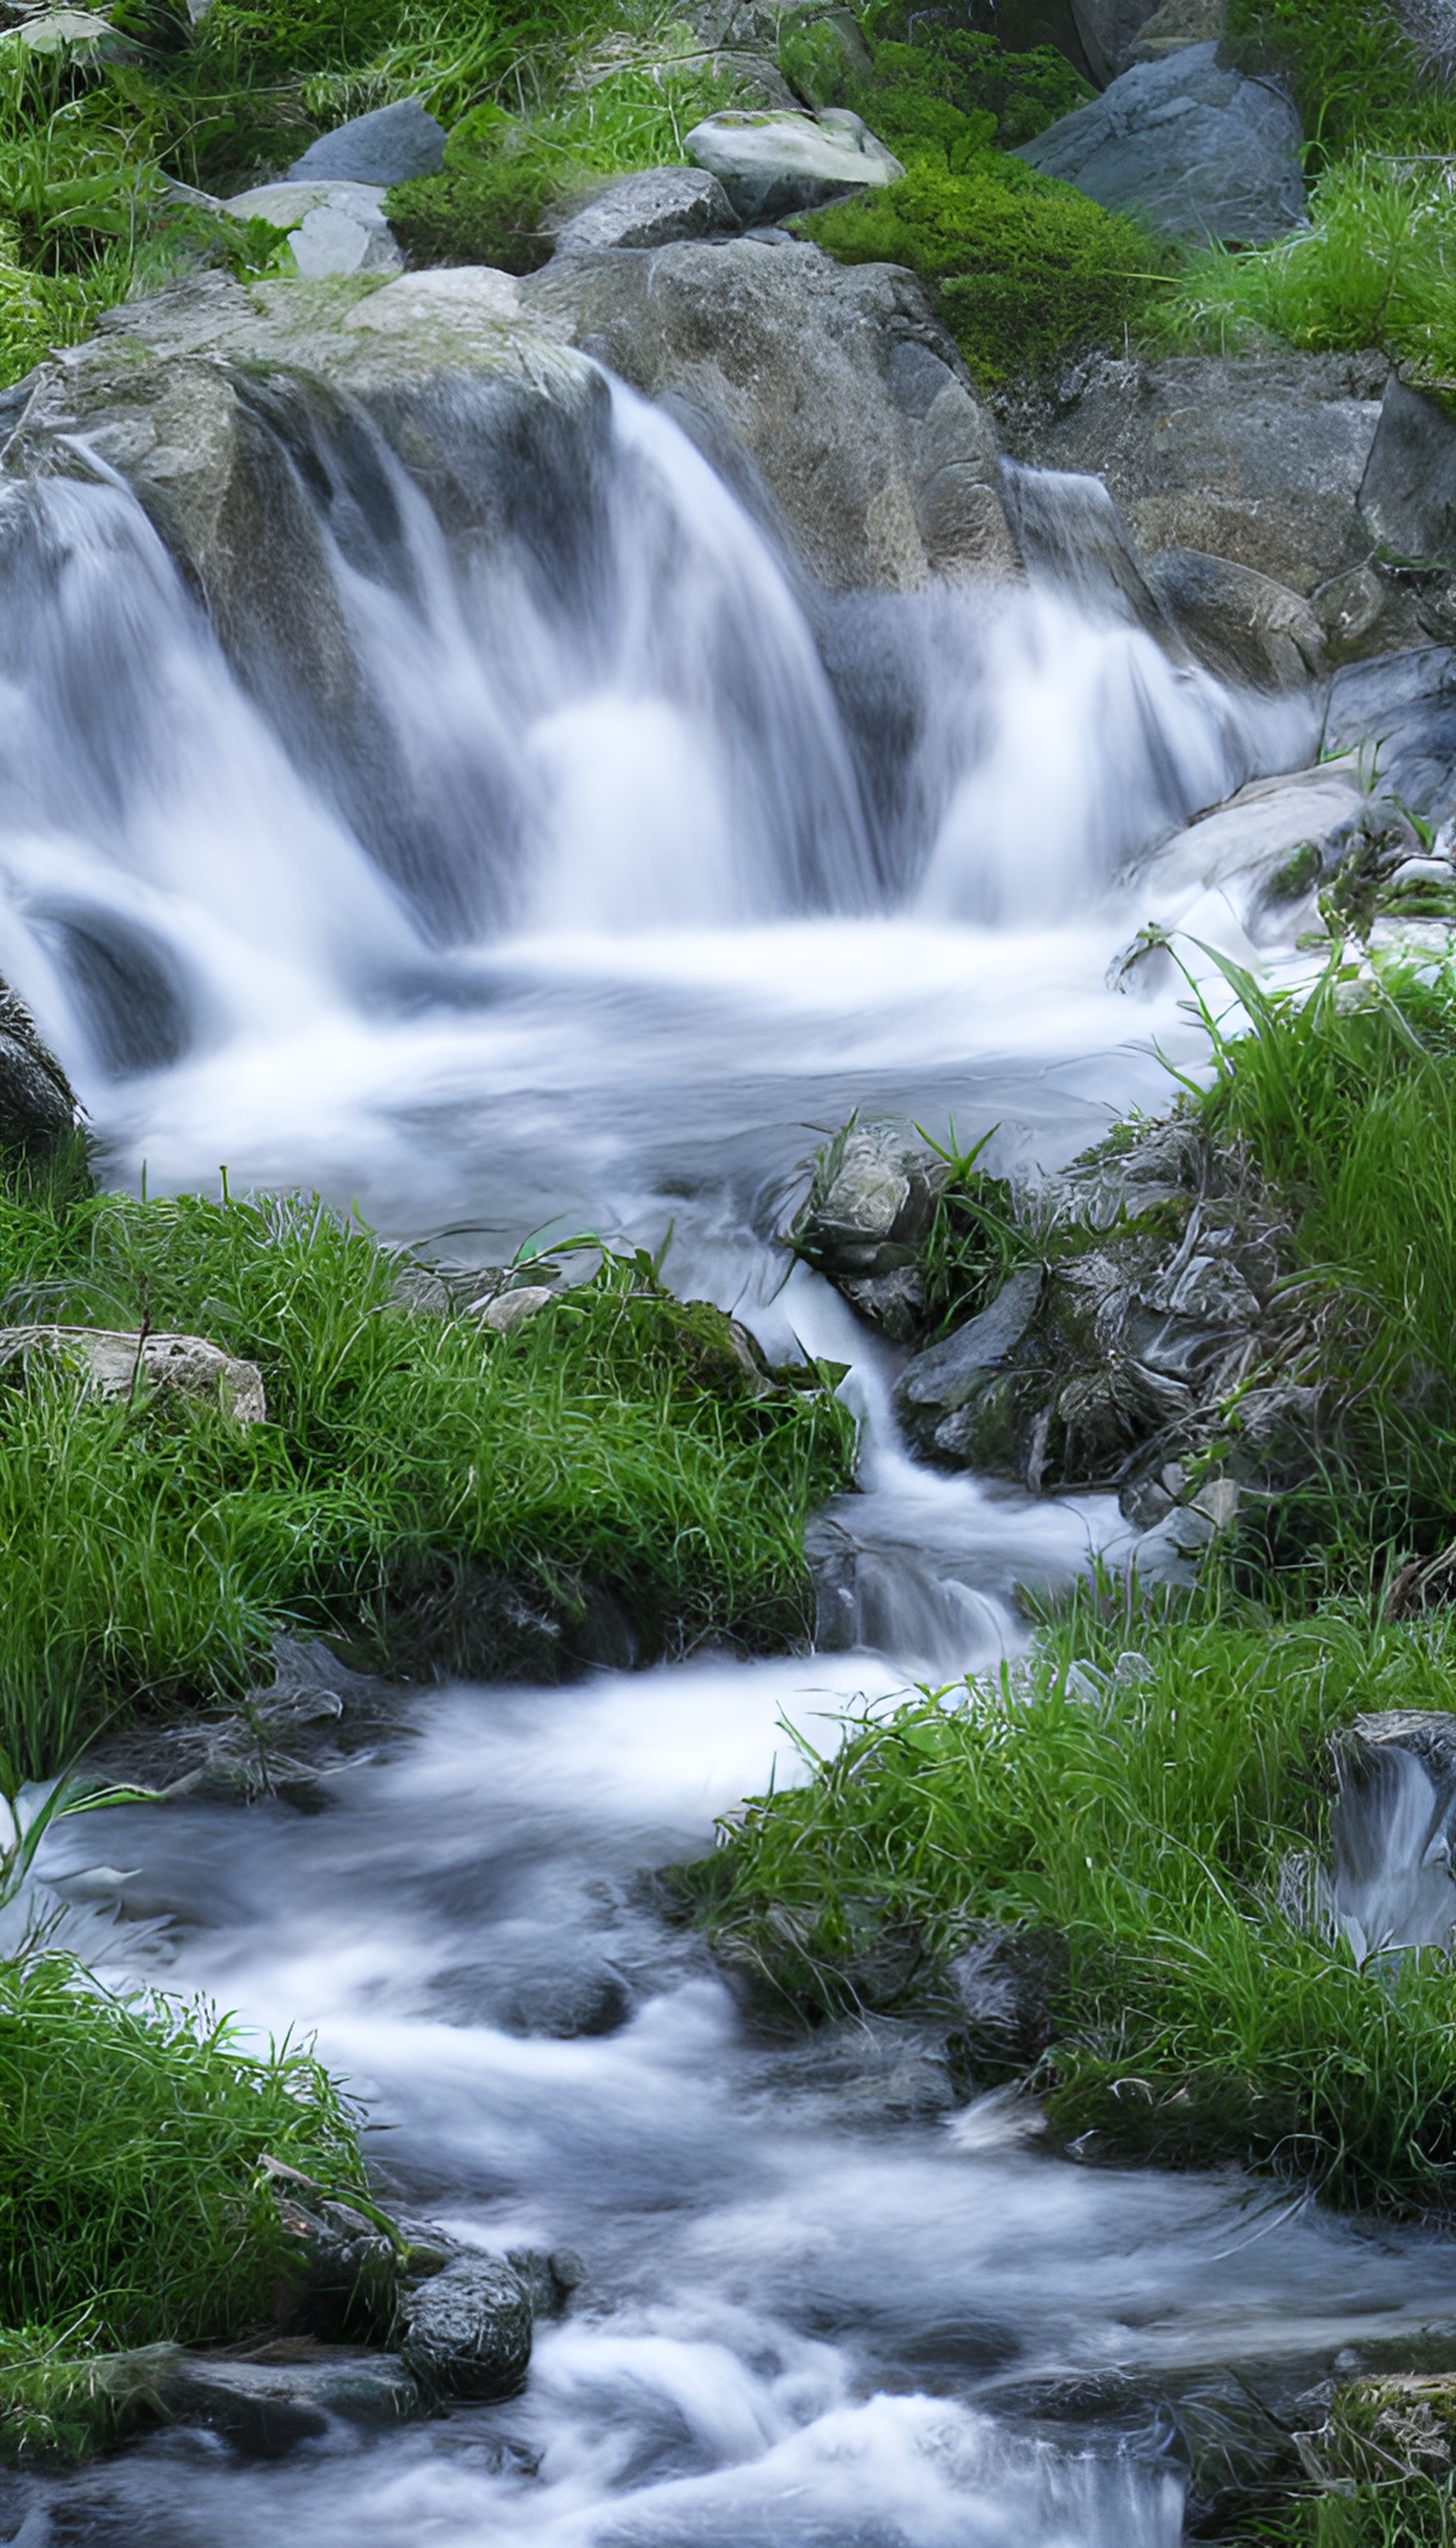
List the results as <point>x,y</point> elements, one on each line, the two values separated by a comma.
<point>1028,271</point>
<point>1022,93</point>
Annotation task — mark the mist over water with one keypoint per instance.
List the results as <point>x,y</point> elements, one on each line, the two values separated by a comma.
<point>625,870</point>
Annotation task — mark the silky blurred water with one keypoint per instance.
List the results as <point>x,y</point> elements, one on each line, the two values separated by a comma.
<point>689,867</point>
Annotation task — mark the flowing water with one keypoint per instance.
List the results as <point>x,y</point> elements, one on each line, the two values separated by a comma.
<point>637,869</point>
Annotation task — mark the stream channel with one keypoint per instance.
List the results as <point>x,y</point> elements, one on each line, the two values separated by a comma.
<point>660,867</point>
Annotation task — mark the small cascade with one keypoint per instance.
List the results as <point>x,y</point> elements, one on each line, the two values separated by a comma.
<point>1392,1885</point>
<point>602,712</point>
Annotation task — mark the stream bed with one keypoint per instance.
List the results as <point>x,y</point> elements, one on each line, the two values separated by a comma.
<point>822,2303</point>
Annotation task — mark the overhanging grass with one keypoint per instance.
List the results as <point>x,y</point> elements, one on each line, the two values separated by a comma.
<point>612,1446</point>
<point>136,2209</point>
<point>1139,1809</point>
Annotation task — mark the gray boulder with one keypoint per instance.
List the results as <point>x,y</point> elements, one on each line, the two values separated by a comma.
<point>384,148</point>
<point>117,1363</point>
<point>1408,494</point>
<point>938,1387</point>
<point>38,1107</point>
<point>290,2392</point>
<point>467,2332</point>
<point>825,394</point>
<point>1407,704</point>
<point>1241,625</point>
<point>335,227</point>
<point>866,1221</point>
<point>646,210</point>
<point>1196,151</point>
<point>772,165</point>
<point>1260,461</point>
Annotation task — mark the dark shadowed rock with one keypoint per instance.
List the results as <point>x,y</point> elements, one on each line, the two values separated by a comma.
<point>1408,496</point>
<point>467,2332</point>
<point>384,148</point>
<point>1407,704</point>
<point>825,394</point>
<point>649,209</point>
<point>38,1107</point>
<point>1107,28</point>
<point>949,1377</point>
<point>1197,151</point>
<point>1258,461</point>
<point>288,2392</point>
<point>1241,625</point>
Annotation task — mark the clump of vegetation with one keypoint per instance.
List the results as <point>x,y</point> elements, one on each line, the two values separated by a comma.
<point>137,2211</point>
<point>1136,1790</point>
<point>1026,270</point>
<point>902,83</point>
<point>501,170</point>
<point>421,1483</point>
<point>1359,79</point>
<point>1408,2511</point>
<point>1377,267</point>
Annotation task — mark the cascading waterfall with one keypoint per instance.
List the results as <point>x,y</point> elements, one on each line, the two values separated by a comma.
<point>633,733</point>
<point>586,865</point>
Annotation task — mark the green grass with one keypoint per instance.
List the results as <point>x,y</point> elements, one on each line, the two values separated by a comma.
<point>1347,1102</point>
<point>1355,76</point>
<point>136,2208</point>
<point>1410,2513</point>
<point>1377,268</point>
<point>1137,1809</point>
<point>413,1467</point>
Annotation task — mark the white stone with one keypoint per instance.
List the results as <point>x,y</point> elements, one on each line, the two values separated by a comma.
<point>768,164</point>
<point>335,227</point>
<point>118,1363</point>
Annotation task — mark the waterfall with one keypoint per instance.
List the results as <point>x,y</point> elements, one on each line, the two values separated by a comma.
<point>616,714</point>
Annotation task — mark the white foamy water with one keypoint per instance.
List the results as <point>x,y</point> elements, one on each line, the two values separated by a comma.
<point>620,891</point>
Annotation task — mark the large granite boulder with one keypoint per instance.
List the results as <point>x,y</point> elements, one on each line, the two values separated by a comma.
<point>384,148</point>
<point>1197,151</point>
<point>1260,461</point>
<point>333,227</point>
<point>649,209</point>
<point>826,394</point>
<point>772,164</point>
<point>244,421</point>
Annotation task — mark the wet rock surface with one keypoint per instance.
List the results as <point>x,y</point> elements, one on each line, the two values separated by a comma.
<point>826,394</point>
<point>1243,626</point>
<point>1196,151</point>
<point>288,2392</point>
<point>467,2330</point>
<point>866,1221</point>
<point>1257,460</point>
<point>38,1109</point>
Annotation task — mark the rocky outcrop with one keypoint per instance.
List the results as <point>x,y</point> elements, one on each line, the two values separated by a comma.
<point>39,1111</point>
<point>1241,625</point>
<point>1260,461</point>
<point>825,394</point>
<point>649,209</point>
<point>1408,494</point>
<point>772,165</point>
<point>1195,150</point>
<point>115,1363</point>
<point>866,1221</point>
<point>384,148</point>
